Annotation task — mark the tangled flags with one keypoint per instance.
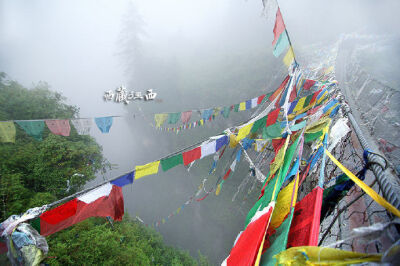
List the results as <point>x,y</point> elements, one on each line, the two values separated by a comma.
<point>106,200</point>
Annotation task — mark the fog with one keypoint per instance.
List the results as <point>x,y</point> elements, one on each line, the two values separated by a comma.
<point>194,54</point>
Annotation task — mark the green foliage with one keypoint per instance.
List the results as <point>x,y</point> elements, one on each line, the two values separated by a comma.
<point>96,242</point>
<point>47,167</point>
<point>34,173</point>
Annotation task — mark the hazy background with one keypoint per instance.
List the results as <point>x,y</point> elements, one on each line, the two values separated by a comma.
<point>194,54</point>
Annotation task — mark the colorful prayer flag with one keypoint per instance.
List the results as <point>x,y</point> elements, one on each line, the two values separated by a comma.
<point>289,57</point>
<point>190,156</point>
<point>103,123</point>
<point>147,169</point>
<point>32,128</point>
<point>171,162</point>
<point>282,44</point>
<point>106,200</point>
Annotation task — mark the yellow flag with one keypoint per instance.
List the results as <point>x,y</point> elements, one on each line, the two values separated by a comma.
<point>300,104</point>
<point>178,210</point>
<point>375,196</point>
<point>242,106</point>
<point>322,97</point>
<point>278,161</point>
<point>283,203</point>
<point>160,119</point>
<point>201,122</point>
<point>318,125</point>
<point>244,131</point>
<point>233,142</point>
<point>147,169</point>
<point>7,132</point>
<point>218,189</point>
<point>322,256</point>
<point>289,57</point>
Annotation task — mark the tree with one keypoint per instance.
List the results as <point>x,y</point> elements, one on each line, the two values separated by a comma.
<point>28,166</point>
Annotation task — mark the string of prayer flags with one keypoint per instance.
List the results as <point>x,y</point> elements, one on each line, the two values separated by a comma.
<point>82,125</point>
<point>59,127</point>
<point>306,255</point>
<point>7,132</point>
<point>33,128</point>
<point>146,169</point>
<point>104,123</point>
<point>104,201</point>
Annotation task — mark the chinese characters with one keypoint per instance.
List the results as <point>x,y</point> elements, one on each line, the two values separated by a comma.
<point>122,95</point>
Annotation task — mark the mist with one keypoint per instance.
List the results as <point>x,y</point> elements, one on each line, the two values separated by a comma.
<point>194,55</point>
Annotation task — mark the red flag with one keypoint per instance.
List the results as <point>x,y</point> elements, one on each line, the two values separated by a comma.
<point>279,90</point>
<point>245,250</point>
<point>313,99</point>
<point>304,230</point>
<point>260,98</point>
<point>272,117</point>
<point>104,201</point>
<point>191,155</point>
<point>227,174</point>
<point>308,84</point>
<point>279,26</point>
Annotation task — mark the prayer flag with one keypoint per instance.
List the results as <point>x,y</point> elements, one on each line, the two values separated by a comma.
<point>242,106</point>
<point>245,250</point>
<point>282,44</point>
<point>221,142</point>
<point>171,162</point>
<point>173,118</point>
<point>124,180</point>
<point>160,119</point>
<point>272,117</point>
<point>59,127</point>
<point>104,123</point>
<point>254,102</point>
<point>147,169</point>
<point>308,84</point>
<point>82,125</point>
<point>248,104</point>
<point>190,156</point>
<point>106,200</point>
<point>260,98</point>
<point>304,230</point>
<point>208,148</point>
<point>185,116</point>
<point>289,57</point>
<point>32,128</point>
<point>279,26</point>
<point>323,256</point>
<point>226,111</point>
<point>244,131</point>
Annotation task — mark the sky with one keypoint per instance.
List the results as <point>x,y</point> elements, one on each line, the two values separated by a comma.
<point>196,54</point>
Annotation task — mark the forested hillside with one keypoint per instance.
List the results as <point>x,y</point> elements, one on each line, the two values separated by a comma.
<point>37,171</point>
